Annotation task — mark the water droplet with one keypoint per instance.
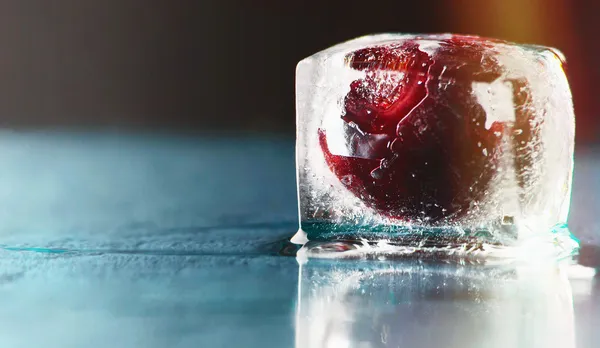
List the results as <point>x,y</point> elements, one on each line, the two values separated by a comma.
<point>346,180</point>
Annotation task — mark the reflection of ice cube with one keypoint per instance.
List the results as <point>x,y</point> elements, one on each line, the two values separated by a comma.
<point>491,141</point>
<point>416,304</point>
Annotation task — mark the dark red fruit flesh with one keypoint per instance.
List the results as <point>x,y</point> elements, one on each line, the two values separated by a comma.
<point>424,153</point>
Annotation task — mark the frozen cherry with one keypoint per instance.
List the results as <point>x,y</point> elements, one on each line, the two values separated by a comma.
<point>421,149</point>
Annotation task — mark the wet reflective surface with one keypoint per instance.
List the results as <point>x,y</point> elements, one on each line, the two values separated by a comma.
<point>424,304</point>
<point>131,241</point>
<point>271,301</point>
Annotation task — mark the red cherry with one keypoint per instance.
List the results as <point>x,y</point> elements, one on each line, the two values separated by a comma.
<point>425,153</point>
<point>394,84</point>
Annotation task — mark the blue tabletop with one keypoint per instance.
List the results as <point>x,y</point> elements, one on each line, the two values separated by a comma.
<point>120,240</point>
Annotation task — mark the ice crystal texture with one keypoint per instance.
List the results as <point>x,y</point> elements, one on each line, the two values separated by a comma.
<point>401,134</point>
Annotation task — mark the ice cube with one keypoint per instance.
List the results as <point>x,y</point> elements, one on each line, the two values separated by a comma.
<point>445,138</point>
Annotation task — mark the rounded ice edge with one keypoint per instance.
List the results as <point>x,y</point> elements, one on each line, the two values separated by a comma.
<point>557,244</point>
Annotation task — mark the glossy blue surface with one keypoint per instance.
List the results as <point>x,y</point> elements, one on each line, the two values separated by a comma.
<point>115,240</point>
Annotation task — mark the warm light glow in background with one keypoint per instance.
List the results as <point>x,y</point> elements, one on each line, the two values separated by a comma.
<point>570,26</point>
<point>215,65</point>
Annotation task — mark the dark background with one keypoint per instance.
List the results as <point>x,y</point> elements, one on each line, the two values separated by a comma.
<point>212,66</point>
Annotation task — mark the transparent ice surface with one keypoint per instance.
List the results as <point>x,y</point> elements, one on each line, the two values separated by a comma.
<point>403,136</point>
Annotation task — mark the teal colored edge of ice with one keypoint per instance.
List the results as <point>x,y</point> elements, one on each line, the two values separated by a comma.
<point>559,235</point>
<point>565,239</point>
<point>327,231</point>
